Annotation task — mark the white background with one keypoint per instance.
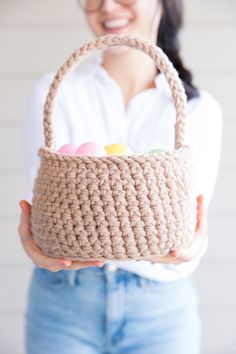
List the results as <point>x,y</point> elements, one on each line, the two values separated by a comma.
<point>37,36</point>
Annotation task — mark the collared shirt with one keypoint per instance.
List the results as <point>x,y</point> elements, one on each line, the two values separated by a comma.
<point>90,108</point>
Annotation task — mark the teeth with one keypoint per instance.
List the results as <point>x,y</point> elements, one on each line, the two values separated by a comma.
<point>120,22</point>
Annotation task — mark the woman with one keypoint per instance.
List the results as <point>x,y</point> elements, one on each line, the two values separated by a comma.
<point>121,306</point>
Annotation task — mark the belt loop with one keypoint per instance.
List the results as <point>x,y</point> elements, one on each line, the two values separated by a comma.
<point>71,277</point>
<point>142,281</point>
<point>110,270</point>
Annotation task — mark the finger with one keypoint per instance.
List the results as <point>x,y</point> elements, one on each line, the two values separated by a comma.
<point>24,227</point>
<point>203,224</point>
<point>25,206</point>
<point>76,265</point>
<point>190,252</point>
<point>168,259</point>
<point>199,212</point>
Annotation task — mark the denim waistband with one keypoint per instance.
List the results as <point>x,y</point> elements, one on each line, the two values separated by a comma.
<point>109,272</point>
<point>112,273</point>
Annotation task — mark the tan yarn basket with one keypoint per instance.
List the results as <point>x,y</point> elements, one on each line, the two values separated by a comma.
<point>116,207</point>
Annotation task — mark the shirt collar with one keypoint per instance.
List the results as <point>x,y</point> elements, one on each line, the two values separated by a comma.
<point>91,66</point>
<point>99,70</point>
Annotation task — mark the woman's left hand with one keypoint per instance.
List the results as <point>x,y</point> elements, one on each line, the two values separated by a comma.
<point>192,251</point>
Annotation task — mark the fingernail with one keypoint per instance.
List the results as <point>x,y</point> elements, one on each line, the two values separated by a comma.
<point>63,264</point>
<point>175,254</point>
<point>22,205</point>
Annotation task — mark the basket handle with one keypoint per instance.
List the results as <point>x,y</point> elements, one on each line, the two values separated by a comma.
<point>156,53</point>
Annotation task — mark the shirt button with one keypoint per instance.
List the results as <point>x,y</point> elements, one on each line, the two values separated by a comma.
<point>112,267</point>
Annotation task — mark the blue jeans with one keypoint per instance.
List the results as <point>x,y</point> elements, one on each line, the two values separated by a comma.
<point>105,311</point>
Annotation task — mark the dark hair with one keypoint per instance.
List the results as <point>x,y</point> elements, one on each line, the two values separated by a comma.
<point>170,25</point>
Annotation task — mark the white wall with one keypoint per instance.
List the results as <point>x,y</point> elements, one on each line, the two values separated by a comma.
<point>37,36</point>
<point>209,47</point>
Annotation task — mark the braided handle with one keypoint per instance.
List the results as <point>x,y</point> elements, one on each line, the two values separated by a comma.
<point>156,53</point>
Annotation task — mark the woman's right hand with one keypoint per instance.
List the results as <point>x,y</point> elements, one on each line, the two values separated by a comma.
<point>36,254</point>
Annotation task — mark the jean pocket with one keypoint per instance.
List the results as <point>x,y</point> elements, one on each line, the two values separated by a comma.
<point>50,279</point>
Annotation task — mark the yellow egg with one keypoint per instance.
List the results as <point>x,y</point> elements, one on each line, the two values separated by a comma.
<point>118,149</point>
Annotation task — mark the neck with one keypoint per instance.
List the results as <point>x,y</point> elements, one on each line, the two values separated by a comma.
<point>134,71</point>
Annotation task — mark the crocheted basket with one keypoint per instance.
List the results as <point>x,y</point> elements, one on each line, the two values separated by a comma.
<point>115,207</point>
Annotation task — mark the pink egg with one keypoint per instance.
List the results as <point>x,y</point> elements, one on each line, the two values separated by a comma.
<point>90,149</point>
<point>67,149</point>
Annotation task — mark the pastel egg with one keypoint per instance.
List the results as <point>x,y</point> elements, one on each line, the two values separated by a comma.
<point>67,149</point>
<point>118,149</point>
<point>156,151</point>
<point>90,149</point>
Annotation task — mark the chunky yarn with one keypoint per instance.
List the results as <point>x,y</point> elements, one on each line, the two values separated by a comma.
<point>115,207</point>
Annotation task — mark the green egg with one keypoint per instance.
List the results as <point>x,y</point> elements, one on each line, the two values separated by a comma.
<point>156,151</point>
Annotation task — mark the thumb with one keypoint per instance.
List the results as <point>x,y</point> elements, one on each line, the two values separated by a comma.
<point>199,212</point>
<point>25,207</point>
<point>24,226</point>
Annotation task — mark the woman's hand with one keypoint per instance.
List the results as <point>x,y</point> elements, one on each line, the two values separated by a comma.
<point>198,244</point>
<point>54,264</point>
<point>35,253</point>
<point>201,236</point>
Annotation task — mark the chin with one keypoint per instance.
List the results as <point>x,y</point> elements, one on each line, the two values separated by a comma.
<point>118,50</point>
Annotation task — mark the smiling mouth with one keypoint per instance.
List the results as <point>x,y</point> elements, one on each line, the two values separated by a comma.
<point>116,24</point>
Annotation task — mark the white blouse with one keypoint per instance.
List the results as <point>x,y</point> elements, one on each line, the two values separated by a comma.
<point>90,107</point>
